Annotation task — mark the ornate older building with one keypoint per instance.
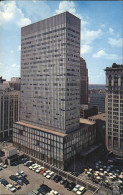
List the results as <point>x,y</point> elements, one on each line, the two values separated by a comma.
<point>114,109</point>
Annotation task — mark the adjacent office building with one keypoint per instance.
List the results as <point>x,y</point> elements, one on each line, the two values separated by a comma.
<point>114,109</point>
<point>100,120</point>
<point>49,128</point>
<point>98,99</point>
<point>88,110</point>
<point>83,82</point>
<point>9,110</point>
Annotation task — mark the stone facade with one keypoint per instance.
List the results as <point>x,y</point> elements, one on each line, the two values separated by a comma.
<point>114,109</point>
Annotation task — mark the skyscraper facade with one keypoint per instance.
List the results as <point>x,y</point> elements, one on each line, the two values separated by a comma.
<point>114,109</point>
<point>49,128</point>
<point>50,73</point>
<point>83,82</point>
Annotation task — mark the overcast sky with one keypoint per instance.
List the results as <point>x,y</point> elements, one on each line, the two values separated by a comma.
<point>101,32</point>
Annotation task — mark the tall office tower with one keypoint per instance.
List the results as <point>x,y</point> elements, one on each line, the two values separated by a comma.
<point>114,109</point>
<point>50,73</point>
<point>49,128</point>
<point>83,82</point>
<point>9,110</point>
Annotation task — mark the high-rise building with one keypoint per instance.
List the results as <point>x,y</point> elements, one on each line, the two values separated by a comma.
<point>83,82</point>
<point>50,73</point>
<point>49,128</point>
<point>114,109</point>
<point>9,110</point>
<point>97,98</point>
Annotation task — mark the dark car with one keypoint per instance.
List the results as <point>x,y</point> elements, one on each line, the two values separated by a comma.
<point>13,177</point>
<point>66,184</point>
<point>23,174</point>
<point>20,182</point>
<point>25,181</point>
<point>23,160</point>
<point>63,181</point>
<point>15,163</point>
<point>4,182</point>
<point>1,168</point>
<point>44,189</point>
<point>71,186</point>
<point>54,177</point>
<point>59,178</point>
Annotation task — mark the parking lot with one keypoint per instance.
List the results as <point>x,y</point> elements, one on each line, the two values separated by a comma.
<point>35,180</point>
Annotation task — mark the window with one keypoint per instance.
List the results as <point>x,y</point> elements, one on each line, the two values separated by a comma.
<point>109,80</point>
<point>115,80</point>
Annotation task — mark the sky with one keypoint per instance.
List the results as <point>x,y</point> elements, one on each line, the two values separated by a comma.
<point>101,32</point>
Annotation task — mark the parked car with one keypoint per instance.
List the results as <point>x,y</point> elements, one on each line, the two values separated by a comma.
<point>71,186</point>
<point>4,166</point>
<point>13,177</point>
<point>43,171</point>
<point>63,181</point>
<point>59,178</point>
<point>44,189</point>
<point>20,182</point>
<point>66,184</point>
<point>11,187</point>
<point>1,168</point>
<point>15,163</point>
<point>17,186</point>
<point>23,160</point>
<point>4,182</point>
<point>54,177</point>
<point>24,180</point>
<point>23,174</point>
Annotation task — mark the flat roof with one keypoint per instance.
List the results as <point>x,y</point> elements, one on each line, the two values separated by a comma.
<point>42,129</point>
<point>86,121</point>
<point>101,116</point>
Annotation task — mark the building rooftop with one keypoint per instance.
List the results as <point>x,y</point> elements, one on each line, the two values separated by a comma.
<point>41,128</point>
<point>86,121</point>
<point>115,67</point>
<point>101,116</point>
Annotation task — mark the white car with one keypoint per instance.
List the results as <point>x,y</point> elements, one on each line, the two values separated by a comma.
<point>51,173</point>
<point>54,192</point>
<point>79,192</point>
<point>76,188</point>
<point>46,173</point>
<point>1,164</point>
<point>4,166</point>
<point>11,187</point>
<point>21,172</point>
<point>30,167</point>
<point>48,176</point>
<point>38,170</point>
